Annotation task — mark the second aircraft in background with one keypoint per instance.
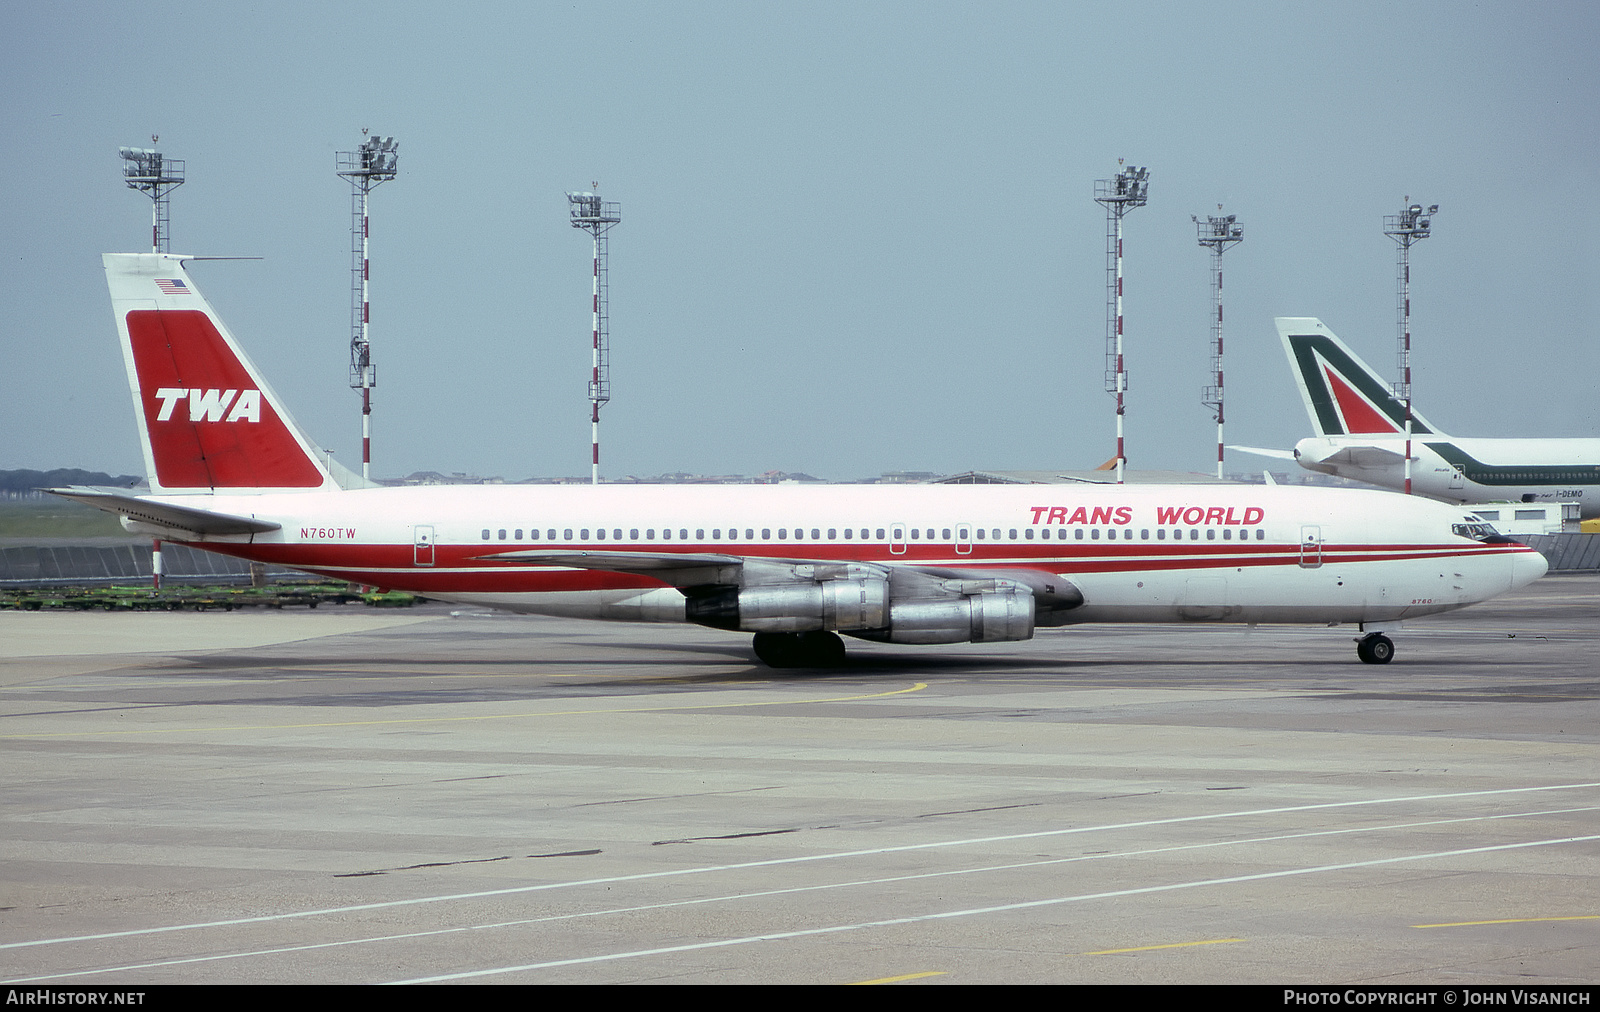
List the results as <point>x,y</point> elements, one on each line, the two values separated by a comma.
<point>1361,434</point>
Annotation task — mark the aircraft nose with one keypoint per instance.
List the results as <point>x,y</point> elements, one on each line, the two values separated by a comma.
<point>1527,567</point>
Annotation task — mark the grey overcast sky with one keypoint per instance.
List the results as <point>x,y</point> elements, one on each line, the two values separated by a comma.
<point>856,237</point>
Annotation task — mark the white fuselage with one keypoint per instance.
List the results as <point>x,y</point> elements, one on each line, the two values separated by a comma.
<point>1466,470</point>
<point>1137,553</point>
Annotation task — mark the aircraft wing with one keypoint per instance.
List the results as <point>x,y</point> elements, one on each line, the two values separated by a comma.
<point>187,519</point>
<point>681,569</point>
<point>620,562</point>
<point>700,569</point>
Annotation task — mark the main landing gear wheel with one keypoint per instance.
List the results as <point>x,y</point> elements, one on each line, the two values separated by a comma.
<point>1375,648</point>
<point>799,650</point>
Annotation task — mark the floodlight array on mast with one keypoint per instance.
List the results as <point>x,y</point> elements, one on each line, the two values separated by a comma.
<point>373,163</point>
<point>156,176</point>
<point>1217,234</point>
<point>147,170</point>
<point>587,211</point>
<point>1128,189</point>
<point>1407,228</point>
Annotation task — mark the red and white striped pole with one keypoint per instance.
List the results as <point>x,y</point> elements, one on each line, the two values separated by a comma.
<point>1219,367</point>
<point>1122,375</point>
<point>1127,190</point>
<point>1405,349</point>
<point>1409,226</point>
<point>366,319</point>
<point>594,386</point>
<point>1217,234</point>
<point>375,162</point>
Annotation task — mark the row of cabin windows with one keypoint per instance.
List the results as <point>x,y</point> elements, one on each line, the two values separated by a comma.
<point>867,534</point>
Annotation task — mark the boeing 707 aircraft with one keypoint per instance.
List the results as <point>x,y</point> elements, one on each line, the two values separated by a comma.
<point>231,472</point>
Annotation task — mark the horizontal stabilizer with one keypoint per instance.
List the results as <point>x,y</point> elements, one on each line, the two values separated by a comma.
<point>1365,456</point>
<point>1261,451</point>
<point>180,518</point>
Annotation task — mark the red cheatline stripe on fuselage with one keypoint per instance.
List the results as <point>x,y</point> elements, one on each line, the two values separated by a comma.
<point>462,567</point>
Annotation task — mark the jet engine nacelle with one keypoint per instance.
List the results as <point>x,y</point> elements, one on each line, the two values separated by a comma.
<point>990,617</point>
<point>841,605</point>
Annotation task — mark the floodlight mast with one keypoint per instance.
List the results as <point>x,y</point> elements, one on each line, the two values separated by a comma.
<point>147,170</point>
<point>1217,234</point>
<point>1127,190</point>
<point>373,163</point>
<point>1410,226</point>
<point>156,176</point>
<point>588,212</point>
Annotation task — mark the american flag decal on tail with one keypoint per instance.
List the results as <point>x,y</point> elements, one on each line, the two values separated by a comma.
<point>172,286</point>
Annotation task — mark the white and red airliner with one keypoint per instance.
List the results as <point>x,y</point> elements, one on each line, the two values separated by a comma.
<point>230,472</point>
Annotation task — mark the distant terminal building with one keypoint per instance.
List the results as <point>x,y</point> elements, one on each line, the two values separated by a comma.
<point>1076,478</point>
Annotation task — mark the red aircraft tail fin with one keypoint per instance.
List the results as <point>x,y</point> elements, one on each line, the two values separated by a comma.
<point>208,421</point>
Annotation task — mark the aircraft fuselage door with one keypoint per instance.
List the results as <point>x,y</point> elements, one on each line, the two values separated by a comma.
<point>1310,546</point>
<point>963,539</point>
<point>422,545</point>
<point>897,539</point>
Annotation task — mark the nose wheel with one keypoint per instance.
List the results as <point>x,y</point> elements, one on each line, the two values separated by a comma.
<point>1375,648</point>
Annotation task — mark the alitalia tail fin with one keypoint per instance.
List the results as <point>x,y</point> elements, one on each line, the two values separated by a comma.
<point>207,420</point>
<point>1342,394</point>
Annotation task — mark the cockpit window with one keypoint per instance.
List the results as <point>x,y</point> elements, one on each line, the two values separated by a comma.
<point>1477,531</point>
